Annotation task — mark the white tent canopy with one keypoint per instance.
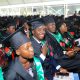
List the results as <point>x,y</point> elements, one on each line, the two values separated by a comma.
<point>17,2</point>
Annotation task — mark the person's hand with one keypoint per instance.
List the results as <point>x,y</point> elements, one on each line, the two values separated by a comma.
<point>44,49</point>
<point>62,70</point>
<point>70,53</point>
<point>76,49</point>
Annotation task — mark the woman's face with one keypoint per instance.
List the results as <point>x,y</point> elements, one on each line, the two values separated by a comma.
<point>26,26</point>
<point>63,28</point>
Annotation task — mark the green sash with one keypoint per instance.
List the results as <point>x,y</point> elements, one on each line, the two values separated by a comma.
<point>39,69</point>
<point>59,38</point>
<point>1,74</point>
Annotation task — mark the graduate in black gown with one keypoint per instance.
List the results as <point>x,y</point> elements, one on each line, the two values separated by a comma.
<point>67,60</point>
<point>23,66</point>
<point>43,51</point>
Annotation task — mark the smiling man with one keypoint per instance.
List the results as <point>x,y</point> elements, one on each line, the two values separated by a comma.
<point>42,50</point>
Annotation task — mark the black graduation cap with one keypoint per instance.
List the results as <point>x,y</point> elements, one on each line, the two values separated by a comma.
<point>16,39</point>
<point>48,19</point>
<point>36,23</point>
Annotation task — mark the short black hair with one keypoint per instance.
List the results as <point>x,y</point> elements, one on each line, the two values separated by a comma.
<point>10,24</point>
<point>59,23</point>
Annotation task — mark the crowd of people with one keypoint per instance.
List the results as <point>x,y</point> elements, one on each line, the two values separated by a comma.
<point>35,48</point>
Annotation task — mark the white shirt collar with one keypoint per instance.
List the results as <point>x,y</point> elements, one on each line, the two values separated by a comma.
<point>50,32</point>
<point>26,31</point>
<point>37,40</point>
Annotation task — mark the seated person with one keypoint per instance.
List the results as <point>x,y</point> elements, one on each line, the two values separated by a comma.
<point>7,49</point>
<point>24,66</point>
<point>25,28</point>
<point>55,39</point>
<point>42,50</point>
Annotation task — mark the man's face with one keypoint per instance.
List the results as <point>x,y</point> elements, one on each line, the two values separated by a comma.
<point>11,29</point>
<point>26,50</point>
<point>51,27</point>
<point>39,32</point>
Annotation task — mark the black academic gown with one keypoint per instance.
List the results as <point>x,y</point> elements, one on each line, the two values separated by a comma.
<point>48,64</point>
<point>36,47</point>
<point>17,72</point>
<point>72,64</point>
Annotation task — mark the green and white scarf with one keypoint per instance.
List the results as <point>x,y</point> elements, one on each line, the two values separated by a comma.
<point>59,38</point>
<point>40,72</point>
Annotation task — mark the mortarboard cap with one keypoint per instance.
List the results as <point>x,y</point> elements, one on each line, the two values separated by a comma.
<point>36,24</point>
<point>48,19</point>
<point>16,39</point>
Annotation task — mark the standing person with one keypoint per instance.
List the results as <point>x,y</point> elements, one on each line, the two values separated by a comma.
<point>24,66</point>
